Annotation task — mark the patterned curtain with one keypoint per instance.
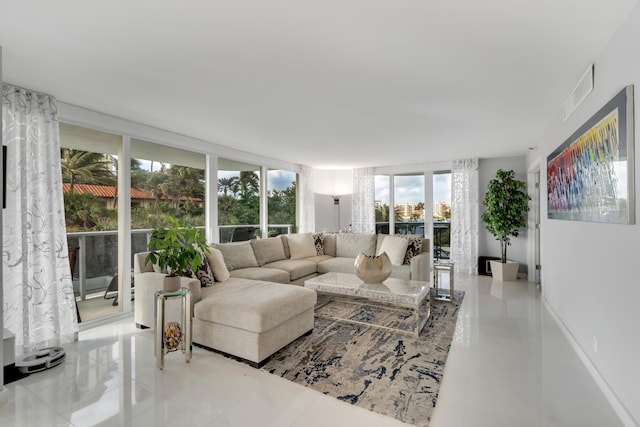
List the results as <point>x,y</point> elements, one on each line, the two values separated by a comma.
<point>39,306</point>
<point>465,215</point>
<point>363,215</point>
<point>307,201</point>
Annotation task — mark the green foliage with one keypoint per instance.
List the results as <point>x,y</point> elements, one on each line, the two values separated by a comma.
<point>507,203</point>
<point>382,213</point>
<point>177,247</point>
<point>282,206</point>
<point>85,212</point>
<point>86,167</point>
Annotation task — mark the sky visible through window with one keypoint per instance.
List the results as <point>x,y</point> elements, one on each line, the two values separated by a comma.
<point>410,189</point>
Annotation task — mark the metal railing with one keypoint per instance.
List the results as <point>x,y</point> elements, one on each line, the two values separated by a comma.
<point>244,232</point>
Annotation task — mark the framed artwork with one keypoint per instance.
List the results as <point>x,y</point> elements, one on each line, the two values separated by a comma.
<point>590,177</point>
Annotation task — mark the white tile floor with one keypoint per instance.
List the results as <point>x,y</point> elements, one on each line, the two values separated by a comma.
<point>509,365</point>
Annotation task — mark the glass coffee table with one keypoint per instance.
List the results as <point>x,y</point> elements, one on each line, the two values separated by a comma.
<point>391,294</point>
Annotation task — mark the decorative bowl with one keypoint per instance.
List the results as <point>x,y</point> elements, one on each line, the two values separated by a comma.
<point>373,269</point>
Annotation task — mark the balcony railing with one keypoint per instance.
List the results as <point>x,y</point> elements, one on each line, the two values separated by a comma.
<point>241,233</point>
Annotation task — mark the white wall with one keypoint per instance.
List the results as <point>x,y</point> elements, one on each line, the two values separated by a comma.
<point>590,270</point>
<point>327,183</point>
<point>326,212</point>
<point>487,244</point>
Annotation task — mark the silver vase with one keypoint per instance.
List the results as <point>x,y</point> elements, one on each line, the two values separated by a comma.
<point>373,269</point>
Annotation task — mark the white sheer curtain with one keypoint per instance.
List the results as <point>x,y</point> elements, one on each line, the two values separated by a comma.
<point>465,215</point>
<point>363,215</point>
<point>307,218</point>
<point>39,306</point>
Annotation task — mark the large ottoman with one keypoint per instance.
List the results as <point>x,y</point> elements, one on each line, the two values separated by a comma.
<point>252,319</point>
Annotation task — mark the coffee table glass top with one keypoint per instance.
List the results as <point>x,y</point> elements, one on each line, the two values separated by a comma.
<point>393,290</point>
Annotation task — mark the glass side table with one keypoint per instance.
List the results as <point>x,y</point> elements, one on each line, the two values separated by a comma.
<point>171,336</point>
<point>439,266</point>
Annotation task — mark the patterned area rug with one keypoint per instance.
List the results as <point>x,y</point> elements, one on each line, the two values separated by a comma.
<point>391,373</point>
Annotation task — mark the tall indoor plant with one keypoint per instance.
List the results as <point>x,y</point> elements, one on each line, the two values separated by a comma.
<point>176,248</point>
<point>507,203</point>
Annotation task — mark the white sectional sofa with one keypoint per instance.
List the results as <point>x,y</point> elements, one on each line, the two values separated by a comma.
<point>293,259</point>
<point>252,310</point>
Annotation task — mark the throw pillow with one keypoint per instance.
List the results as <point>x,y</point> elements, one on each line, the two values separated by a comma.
<point>218,267</point>
<point>204,273</point>
<point>301,245</point>
<point>414,247</point>
<point>395,247</point>
<point>318,240</point>
<point>237,255</point>
<point>268,250</point>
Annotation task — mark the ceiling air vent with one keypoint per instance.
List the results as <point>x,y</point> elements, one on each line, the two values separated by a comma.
<point>580,92</point>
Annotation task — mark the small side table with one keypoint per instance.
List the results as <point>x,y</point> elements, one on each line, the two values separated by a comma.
<point>442,266</point>
<point>185,343</point>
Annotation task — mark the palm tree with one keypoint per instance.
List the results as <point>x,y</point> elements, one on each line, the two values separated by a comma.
<point>249,182</point>
<point>226,184</point>
<point>154,186</point>
<point>85,166</point>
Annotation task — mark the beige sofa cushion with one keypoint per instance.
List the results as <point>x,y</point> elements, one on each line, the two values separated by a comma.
<point>329,244</point>
<point>395,247</point>
<point>351,245</point>
<point>262,273</point>
<point>218,267</point>
<point>296,268</point>
<point>268,250</point>
<point>237,255</point>
<point>337,264</point>
<point>301,245</point>
<point>253,305</point>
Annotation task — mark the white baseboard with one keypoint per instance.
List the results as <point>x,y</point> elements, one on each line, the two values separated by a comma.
<point>611,397</point>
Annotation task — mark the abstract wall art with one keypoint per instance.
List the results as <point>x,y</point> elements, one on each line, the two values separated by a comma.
<point>590,177</point>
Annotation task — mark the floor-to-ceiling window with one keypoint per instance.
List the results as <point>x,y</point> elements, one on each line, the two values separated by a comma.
<point>282,196</point>
<point>399,203</point>
<point>238,200</point>
<point>165,181</point>
<point>89,165</point>
<point>408,198</point>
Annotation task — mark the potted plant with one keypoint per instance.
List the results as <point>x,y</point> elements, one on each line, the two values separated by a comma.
<point>176,248</point>
<point>507,203</point>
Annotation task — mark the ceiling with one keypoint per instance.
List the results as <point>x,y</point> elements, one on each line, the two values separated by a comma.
<point>327,83</point>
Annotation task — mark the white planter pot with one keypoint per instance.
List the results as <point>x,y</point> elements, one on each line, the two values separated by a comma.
<point>505,272</point>
<point>171,283</point>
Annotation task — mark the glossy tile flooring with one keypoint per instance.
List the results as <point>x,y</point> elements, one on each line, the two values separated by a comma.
<point>509,365</point>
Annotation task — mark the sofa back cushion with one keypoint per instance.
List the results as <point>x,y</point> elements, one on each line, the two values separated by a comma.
<point>416,244</point>
<point>218,267</point>
<point>395,247</point>
<point>268,250</point>
<point>237,255</point>
<point>301,245</point>
<point>351,245</point>
<point>329,243</point>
